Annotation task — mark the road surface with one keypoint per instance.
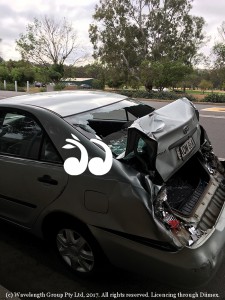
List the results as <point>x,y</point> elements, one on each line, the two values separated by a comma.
<point>7,94</point>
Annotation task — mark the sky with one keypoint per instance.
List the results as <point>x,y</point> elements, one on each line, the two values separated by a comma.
<point>16,14</point>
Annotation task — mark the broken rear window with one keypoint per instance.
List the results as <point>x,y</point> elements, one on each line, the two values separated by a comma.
<point>110,122</point>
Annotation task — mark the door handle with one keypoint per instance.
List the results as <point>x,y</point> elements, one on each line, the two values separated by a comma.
<point>47,179</point>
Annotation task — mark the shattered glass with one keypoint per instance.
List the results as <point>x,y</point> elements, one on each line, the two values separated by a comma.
<point>118,146</point>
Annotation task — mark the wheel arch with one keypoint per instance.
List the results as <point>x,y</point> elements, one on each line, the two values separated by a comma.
<point>54,219</point>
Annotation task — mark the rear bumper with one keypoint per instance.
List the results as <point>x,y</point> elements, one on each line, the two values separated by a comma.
<point>188,266</point>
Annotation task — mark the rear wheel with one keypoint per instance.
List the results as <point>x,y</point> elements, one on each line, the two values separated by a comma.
<point>78,249</point>
<point>75,250</point>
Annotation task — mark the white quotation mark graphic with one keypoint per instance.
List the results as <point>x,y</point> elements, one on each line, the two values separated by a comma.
<point>96,165</point>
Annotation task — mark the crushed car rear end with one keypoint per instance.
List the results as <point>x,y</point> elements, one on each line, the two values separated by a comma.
<point>166,190</point>
<point>186,188</point>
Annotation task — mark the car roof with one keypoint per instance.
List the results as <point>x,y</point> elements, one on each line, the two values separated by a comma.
<point>66,103</point>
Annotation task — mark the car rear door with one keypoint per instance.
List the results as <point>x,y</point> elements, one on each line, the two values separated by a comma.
<point>32,174</point>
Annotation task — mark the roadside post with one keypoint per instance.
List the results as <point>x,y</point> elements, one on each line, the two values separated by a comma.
<point>50,88</point>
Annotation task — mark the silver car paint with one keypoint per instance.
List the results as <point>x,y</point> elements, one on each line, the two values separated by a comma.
<point>134,215</point>
<point>66,103</point>
<point>125,208</point>
<point>166,126</point>
<point>123,178</point>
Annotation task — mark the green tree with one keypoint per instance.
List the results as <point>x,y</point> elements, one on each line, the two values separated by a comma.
<point>98,84</point>
<point>164,73</point>
<point>48,42</point>
<point>217,77</point>
<point>115,79</point>
<point>4,73</point>
<point>219,52</point>
<point>205,85</point>
<point>223,86</point>
<point>95,71</point>
<point>125,33</point>
<point>22,75</point>
<point>190,81</point>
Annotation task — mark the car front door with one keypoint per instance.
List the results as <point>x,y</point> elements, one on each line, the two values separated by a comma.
<point>32,174</point>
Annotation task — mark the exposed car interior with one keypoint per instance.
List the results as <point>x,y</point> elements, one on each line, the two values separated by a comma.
<point>110,123</point>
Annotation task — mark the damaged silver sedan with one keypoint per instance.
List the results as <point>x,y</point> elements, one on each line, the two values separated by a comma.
<point>159,209</point>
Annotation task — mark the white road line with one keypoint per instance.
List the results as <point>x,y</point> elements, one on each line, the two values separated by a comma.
<point>212,116</point>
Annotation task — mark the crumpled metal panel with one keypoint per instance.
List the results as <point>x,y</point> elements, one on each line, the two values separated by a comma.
<point>171,126</point>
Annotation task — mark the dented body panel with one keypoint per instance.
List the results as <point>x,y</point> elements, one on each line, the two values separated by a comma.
<point>171,127</point>
<point>186,267</point>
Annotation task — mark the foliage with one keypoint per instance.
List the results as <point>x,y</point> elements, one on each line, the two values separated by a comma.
<point>114,78</point>
<point>22,75</point>
<point>11,87</point>
<point>23,71</point>
<point>205,85</point>
<point>59,86</point>
<point>4,73</point>
<point>154,95</point>
<point>98,84</point>
<point>19,71</point>
<point>48,41</point>
<point>164,73</point>
<point>125,33</point>
<point>41,74</point>
<point>95,70</point>
<point>55,72</point>
<point>42,90</point>
<point>1,59</point>
<point>216,98</point>
<point>219,52</point>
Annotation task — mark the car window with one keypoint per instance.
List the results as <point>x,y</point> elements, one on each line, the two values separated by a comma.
<point>20,135</point>
<point>49,153</point>
<point>120,112</point>
<point>117,114</point>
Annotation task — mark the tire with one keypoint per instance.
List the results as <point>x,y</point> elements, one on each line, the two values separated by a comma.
<point>78,249</point>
